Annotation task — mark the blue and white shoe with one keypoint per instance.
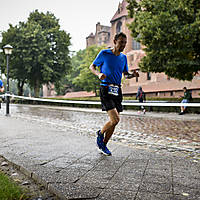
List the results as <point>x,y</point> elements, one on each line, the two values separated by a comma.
<point>101,145</point>
<point>100,138</point>
<point>105,150</point>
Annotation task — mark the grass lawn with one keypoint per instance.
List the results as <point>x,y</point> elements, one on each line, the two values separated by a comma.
<point>9,190</point>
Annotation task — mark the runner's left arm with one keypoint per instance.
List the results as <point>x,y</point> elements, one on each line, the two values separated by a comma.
<point>131,75</point>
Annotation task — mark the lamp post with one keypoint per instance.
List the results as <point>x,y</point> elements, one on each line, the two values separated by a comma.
<point>8,51</point>
<point>0,65</point>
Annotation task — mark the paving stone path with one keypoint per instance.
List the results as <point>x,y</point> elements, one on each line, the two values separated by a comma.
<point>151,158</point>
<point>153,130</point>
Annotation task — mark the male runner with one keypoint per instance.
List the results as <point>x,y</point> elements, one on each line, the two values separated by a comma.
<point>112,65</point>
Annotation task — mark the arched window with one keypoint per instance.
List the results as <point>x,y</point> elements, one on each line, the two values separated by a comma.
<point>136,45</point>
<point>119,27</point>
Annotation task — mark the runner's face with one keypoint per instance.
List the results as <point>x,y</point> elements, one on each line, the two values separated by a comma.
<point>120,43</point>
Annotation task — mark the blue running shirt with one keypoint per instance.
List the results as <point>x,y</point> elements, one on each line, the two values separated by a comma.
<point>111,65</point>
<point>1,84</point>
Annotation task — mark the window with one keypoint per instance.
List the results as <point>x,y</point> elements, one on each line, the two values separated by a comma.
<point>118,10</point>
<point>119,27</point>
<point>171,93</point>
<point>136,45</point>
<point>148,76</point>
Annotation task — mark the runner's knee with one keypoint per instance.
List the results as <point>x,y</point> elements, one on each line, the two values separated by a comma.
<point>115,121</point>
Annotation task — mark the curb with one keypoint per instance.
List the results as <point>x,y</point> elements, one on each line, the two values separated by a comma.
<point>36,179</point>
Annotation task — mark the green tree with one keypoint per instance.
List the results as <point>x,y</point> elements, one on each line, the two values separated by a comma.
<point>170,32</point>
<point>41,51</point>
<point>86,80</point>
<point>66,84</point>
<point>11,37</point>
<point>77,61</point>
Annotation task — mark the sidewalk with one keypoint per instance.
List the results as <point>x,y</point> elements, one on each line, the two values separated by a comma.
<point>68,163</point>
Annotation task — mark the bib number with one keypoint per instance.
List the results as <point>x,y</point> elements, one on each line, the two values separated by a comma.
<point>113,90</point>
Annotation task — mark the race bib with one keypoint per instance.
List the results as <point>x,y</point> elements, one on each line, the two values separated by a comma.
<point>113,90</point>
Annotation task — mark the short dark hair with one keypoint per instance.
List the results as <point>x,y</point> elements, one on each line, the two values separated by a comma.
<point>185,88</point>
<point>120,34</point>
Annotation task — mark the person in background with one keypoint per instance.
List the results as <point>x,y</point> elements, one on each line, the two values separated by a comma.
<point>186,99</point>
<point>1,89</point>
<point>141,96</point>
<point>1,86</point>
<point>112,64</point>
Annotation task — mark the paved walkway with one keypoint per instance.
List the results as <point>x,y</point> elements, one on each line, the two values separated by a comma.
<point>68,163</point>
<point>168,131</point>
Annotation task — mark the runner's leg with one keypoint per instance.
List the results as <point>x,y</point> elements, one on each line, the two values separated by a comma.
<point>109,127</point>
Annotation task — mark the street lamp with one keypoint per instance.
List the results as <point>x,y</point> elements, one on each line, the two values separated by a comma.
<point>8,51</point>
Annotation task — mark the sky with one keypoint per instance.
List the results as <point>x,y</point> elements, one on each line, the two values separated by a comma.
<point>77,17</point>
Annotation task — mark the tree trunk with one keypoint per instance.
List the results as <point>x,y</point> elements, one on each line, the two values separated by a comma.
<point>20,85</point>
<point>37,88</point>
<point>95,90</point>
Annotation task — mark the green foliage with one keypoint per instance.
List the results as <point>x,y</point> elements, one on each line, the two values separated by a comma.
<point>41,50</point>
<point>66,84</point>
<point>9,189</point>
<point>170,32</point>
<point>77,61</point>
<point>86,80</point>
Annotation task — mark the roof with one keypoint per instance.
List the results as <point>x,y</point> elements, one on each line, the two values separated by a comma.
<point>164,86</point>
<point>90,36</point>
<point>79,94</point>
<point>121,12</point>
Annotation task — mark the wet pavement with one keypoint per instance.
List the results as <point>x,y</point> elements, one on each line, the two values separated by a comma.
<point>168,131</point>
<point>155,156</point>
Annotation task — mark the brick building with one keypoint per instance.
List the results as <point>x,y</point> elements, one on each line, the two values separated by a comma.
<point>101,37</point>
<point>154,84</point>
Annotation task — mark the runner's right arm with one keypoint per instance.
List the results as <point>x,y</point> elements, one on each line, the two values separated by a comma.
<point>96,72</point>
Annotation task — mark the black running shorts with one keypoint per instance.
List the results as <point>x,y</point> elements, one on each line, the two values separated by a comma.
<point>108,101</point>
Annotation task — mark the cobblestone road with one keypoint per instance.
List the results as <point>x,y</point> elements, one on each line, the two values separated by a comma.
<point>162,131</point>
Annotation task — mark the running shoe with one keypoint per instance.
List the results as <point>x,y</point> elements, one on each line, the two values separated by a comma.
<point>100,138</point>
<point>105,150</point>
<point>181,113</point>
